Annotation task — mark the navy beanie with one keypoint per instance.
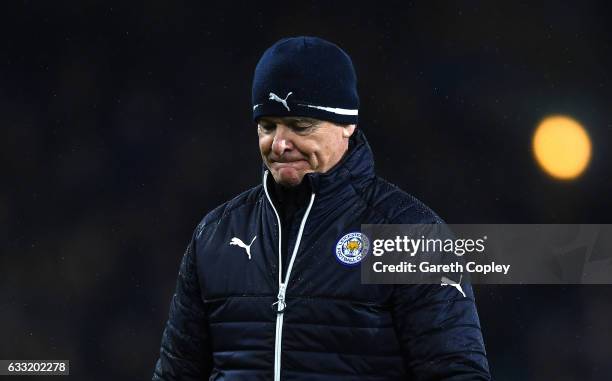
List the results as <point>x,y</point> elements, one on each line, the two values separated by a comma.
<point>306,76</point>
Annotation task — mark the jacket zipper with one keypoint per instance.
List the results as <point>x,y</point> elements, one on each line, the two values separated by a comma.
<point>282,286</point>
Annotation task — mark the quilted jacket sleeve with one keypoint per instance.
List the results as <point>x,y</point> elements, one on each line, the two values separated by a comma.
<point>185,350</point>
<point>439,333</point>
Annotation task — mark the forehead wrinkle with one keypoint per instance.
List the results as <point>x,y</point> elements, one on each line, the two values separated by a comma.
<point>290,120</point>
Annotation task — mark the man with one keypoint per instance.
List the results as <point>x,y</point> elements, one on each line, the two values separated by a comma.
<point>265,289</point>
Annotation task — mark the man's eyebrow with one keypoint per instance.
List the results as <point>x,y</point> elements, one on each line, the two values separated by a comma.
<point>266,120</point>
<point>307,121</point>
<point>291,122</point>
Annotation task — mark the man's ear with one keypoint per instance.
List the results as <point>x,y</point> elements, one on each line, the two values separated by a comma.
<point>347,131</point>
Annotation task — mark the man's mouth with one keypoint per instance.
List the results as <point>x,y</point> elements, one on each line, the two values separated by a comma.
<point>299,163</point>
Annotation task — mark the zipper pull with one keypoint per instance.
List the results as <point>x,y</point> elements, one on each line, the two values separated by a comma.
<point>281,298</point>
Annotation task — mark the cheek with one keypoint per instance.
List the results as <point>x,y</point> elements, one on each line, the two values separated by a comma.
<point>310,150</point>
<point>265,144</point>
<point>329,146</point>
<point>329,150</point>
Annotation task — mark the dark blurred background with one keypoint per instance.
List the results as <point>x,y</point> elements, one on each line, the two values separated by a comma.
<point>123,124</point>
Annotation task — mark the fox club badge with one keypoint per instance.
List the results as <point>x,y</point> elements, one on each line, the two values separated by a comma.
<point>352,248</point>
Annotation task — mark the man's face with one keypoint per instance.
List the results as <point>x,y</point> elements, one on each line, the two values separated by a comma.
<point>294,146</point>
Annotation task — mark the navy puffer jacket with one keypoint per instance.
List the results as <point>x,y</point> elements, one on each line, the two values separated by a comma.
<point>233,317</point>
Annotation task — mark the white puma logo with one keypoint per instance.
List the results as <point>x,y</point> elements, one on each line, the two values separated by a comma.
<point>238,242</point>
<point>450,282</point>
<point>275,97</point>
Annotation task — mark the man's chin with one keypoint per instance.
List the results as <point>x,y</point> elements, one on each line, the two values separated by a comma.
<point>288,177</point>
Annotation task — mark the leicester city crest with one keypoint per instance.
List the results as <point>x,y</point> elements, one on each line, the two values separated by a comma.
<point>352,248</point>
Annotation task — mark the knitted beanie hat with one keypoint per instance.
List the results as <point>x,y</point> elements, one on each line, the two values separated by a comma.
<point>306,76</point>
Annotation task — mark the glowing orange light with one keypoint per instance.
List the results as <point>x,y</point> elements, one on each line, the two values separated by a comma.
<point>562,147</point>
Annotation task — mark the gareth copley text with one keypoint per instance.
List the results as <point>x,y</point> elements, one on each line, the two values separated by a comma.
<point>426,267</point>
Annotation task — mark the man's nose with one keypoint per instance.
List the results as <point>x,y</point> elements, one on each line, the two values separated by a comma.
<point>282,140</point>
